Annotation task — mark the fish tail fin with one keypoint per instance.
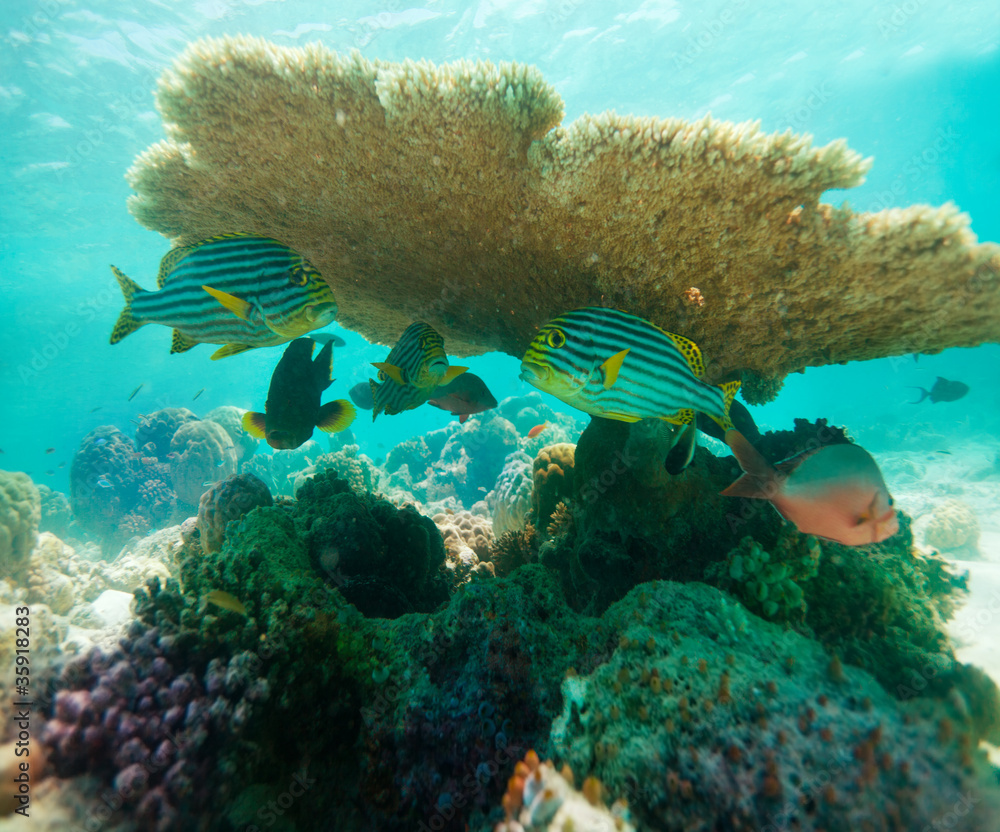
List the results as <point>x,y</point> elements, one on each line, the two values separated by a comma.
<point>729,390</point>
<point>759,476</point>
<point>335,416</point>
<point>127,323</point>
<point>924,393</point>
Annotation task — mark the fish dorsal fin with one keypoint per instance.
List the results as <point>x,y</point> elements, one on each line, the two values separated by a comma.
<point>681,417</point>
<point>181,343</point>
<point>323,365</point>
<point>689,349</point>
<point>376,407</point>
<point>611,367</point>
<point>231,349</point>
<point>254,424</point>
<point>239,307</point>
<point>451,374</point>
<point>786,466</point>
<point>170,261</point>
<point>758,474</point>
<point>397,374</point>
<point>335,416</point>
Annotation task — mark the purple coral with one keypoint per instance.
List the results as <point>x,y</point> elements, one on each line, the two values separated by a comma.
<point>159,427</point>
<point>152,734</point>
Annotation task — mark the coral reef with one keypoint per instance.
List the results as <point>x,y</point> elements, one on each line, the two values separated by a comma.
<point>463,529</point>
<point>545,800</point>
<point>766,732</point>
<point>552,481</point>
<point>148,718</point>
<point>225,502</point>
<point>155,430</point>
<point>510,499</point>
<point>360,472</point>
<point>770,584</point>
<point>20,514</point>
<point>954,528</point>
<point>116,492</point>
<point>57,515</point>
<point>456,152</point>
<point>205,455</point>
<point>231,419</point>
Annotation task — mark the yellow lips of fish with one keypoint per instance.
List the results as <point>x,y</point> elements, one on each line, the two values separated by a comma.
<point>547,380</point>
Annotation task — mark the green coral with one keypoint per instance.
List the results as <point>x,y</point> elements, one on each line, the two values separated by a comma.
<point>771,584</point>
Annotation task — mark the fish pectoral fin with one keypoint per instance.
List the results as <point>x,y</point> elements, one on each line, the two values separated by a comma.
<point>231,349</point>
<point>181,343</point>
<point>680,455</point>
<point>462,418</point>
<point>254,424</point>
<point>335,416</point>
<point>391,370</point>
<point>610,368</point>
<point>451,374</point>
<point>239,307</point>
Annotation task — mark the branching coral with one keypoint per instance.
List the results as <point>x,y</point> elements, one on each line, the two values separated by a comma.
<point>451,194</point>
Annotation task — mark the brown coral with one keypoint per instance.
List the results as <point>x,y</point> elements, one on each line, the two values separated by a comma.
<point>552,475</point>
<point>450,194</point>
<point>465,530</point>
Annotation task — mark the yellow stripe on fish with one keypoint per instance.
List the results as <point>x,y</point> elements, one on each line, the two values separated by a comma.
<point>415,367</point>
<point>616,365</point>
<point>240,290</point>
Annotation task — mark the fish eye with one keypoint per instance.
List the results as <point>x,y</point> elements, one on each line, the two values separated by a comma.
<point>555,339</point>
<point>891,502</point>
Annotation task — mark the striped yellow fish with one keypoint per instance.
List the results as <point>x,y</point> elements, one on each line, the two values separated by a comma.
<point>412,372</point>
<point>240,290</point>
<point>612,364</point>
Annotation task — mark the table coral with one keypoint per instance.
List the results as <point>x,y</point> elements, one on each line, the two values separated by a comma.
<point>452,194</point>
<point>20,514</point>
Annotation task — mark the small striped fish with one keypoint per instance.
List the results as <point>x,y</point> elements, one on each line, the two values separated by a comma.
<point>240,290</point>
<point>612,364</point>
<point>413,370</point>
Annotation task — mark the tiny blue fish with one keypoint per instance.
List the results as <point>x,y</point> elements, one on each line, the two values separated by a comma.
<point>103,482</point>
<point>100,441</point>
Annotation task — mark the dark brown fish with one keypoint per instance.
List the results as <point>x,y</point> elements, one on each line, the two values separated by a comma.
<point>943,391</point>
<point>293,406</point>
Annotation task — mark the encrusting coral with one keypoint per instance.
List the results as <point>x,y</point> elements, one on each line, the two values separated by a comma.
<point>451,194</point>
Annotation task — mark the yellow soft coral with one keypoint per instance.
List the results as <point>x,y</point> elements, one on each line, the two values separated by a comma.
<point>443,193</point>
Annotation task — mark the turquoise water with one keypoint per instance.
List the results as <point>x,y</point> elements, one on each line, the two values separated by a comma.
<point>914,87</point>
